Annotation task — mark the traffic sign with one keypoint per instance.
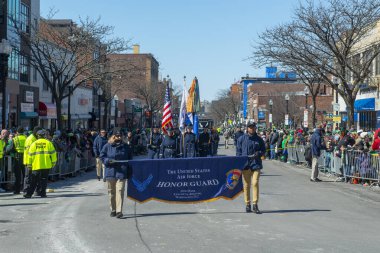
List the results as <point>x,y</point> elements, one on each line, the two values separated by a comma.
<point>336,107</point>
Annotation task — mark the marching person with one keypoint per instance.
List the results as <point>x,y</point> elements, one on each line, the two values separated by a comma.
<point>169,146</point>
<point>154,144</point>
<point>204,143</point>
<point>253,146</point>
<point>237,134</point>
<point>116,173</point>
<point>18,145</point>
<point>214,142</point>
<point>99,143</point>
<point>190,143</point>
<point>41,158</point>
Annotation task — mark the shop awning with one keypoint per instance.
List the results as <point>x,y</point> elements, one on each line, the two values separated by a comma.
<point>28,115</point>
<point>367,104</point>
<point>47,110</point>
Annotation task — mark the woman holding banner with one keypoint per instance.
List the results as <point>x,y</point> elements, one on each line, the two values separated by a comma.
<point>115,155</point>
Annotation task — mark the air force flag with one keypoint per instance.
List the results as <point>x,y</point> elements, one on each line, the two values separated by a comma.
<point>186,180</point>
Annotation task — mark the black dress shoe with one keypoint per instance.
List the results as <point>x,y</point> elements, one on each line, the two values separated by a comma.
<point>113,214</point>
<point>16,192</point>
<point>256,209</point>
<point>98,178</point>
<point>27,196</point>
<point>315,180</point>
<point>248,209</point>
<point>119,215</point>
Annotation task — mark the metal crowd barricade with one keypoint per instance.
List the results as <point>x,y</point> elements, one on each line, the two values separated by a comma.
<point>361,165</point>
<point>301,153</point>
<point>292,156</point>
<point>336,164</point>
<point>6,172</point>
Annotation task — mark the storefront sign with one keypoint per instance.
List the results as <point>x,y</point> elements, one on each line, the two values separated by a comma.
<point>27,107</point>
<point>82,101</point>
<point>29,96</point>
<point>286,119</point>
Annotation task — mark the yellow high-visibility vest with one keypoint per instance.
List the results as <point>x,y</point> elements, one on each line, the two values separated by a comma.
<point>42,155</point>
<point>2,146</point>
<point>31,138</point>
<point>19,143</point>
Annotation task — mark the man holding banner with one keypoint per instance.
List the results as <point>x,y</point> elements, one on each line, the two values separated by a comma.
<point>253,146</point>
<point>115,155</point>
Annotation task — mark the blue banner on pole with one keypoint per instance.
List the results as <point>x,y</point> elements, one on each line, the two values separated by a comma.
<point>187,180</point>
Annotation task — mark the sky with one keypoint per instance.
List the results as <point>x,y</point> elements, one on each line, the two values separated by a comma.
<point>209,39</point>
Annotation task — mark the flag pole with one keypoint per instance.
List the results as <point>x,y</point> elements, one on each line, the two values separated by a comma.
<point>183,132</point>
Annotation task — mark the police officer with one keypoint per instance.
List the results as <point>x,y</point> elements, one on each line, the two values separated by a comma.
<point>28,142</point>
<point>169,146</point>
<point>253,146</point>
<point>154,144</point>
<point>190,145</point>
<point>99,143</point>
<point>18,145</point>
<point>41,158</point>
<point>204,143</point>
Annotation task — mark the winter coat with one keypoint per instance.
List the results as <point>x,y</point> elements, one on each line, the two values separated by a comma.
<point>248,145</point>
<point>190,145</point>
<point>317,143</point>
<point>99,144</point>
<point>116,151</point>
<point>376,140</point>
<point>274,138</point>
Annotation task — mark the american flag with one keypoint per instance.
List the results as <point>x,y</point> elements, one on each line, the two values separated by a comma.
<point>167,115</point>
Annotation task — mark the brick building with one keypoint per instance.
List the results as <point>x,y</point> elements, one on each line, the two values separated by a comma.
<point>259,109</point>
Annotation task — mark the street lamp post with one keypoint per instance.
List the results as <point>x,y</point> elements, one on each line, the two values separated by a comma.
<point>306,113</point>
<point>100,93</point>
<point>116,98</point>
<point>270,113</point>
<point>287,109</point>
<point>5,51</point>
<point>69,107</point>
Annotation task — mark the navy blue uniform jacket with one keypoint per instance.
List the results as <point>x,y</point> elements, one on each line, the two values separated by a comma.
<point>248,145</point>
<point>115,151</point>
<point>99,144</point>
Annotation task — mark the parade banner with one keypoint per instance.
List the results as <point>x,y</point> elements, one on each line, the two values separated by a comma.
<point>187,180</point>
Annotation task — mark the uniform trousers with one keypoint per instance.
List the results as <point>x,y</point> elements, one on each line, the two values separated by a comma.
<point>19,171</point>
<point>99,167</point>
<point>37,177</point>
<point>251,180</point>
<point>116,189</point>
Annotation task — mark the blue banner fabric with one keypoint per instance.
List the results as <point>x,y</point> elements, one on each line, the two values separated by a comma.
<point>188,180</point>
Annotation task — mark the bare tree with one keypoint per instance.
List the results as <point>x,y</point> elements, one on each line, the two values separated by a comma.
<point>227,104</point>
<point>325,38</point>
<point>69,56</point>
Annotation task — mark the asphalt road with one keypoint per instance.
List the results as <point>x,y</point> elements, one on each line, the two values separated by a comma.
<point>298,216</point>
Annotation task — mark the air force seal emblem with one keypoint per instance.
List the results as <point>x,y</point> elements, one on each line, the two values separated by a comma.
<point>233,177</point>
